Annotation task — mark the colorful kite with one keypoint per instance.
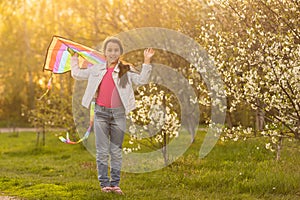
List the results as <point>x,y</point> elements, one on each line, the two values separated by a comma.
<point>58,61</point>
<point>59,53</point>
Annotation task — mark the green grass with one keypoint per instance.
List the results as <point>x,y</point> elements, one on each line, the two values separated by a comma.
<point>232,170</point>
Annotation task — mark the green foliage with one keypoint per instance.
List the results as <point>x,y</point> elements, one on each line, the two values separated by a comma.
<point>53,111</point>
<point>234,170</point>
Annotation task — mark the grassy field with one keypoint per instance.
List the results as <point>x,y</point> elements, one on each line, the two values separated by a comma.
<point>233,170</point>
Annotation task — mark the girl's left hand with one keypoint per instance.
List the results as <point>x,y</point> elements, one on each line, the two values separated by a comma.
<point>148,53</point>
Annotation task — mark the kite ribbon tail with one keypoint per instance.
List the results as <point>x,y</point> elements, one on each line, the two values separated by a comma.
<point>49,86</point>
<point>87,133</point>
<point>67,139</point>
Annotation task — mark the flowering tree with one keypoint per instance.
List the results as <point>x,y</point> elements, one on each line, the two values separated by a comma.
<point>155,121</point>
<point>51,112</point>
<point>255,45</point>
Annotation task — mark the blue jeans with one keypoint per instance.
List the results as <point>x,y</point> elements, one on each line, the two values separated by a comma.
<point>109,126</point>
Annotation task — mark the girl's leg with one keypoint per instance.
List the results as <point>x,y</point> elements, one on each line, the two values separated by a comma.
<point>101,129</point>
<point>118,126</point>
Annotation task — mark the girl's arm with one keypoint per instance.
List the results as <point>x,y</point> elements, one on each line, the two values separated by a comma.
<point>140,78</point>
<point>143,77</point>
<point>148,53</point>
<point>76,72</point>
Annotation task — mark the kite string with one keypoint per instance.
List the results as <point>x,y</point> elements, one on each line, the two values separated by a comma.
<point>49,86</point>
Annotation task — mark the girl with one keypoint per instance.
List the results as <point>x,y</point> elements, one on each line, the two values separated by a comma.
<point>112,84</point>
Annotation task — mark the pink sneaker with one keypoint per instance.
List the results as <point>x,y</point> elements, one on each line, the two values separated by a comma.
<point>106,189</point>
<point>117,190</point>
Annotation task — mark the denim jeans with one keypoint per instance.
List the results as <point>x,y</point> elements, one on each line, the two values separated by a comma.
<point>109,126</point>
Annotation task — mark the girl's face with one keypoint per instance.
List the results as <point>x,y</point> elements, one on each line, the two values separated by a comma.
<point>112,52</point>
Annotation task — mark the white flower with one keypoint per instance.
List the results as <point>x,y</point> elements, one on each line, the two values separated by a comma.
<point>132,129</point>
<point>274,140</point>
<point>176,134</point>
<point>127,150</point>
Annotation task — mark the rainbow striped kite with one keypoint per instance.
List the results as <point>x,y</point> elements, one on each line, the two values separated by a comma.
<point>58,58</point>
<point>59,53</point>
<point>58,61</point>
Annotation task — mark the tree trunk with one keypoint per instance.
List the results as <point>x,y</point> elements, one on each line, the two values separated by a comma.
<point>297,134</point>
<point>279,147</point>
<point>229,120</point>
<point>165,150</point>
<point>165,137</point>
<point>260,117</point>
<point>37,138</point>
<point>44,136</point>
<point>228,117</point>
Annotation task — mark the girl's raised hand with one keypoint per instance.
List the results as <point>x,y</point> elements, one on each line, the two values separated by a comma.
<point>148,53</point>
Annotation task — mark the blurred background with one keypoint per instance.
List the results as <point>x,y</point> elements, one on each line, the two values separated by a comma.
<point>254,44</point>
<point>27,27</point>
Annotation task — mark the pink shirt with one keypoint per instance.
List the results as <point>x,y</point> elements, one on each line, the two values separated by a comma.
<point>108,95</point>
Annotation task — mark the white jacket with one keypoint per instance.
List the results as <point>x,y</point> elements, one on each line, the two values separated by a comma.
<point>95,74</point>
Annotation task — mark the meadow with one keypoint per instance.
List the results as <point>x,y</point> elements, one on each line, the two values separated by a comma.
<point>232,170</point>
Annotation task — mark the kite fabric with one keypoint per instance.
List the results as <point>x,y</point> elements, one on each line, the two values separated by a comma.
<point>58,58</point>
<point>59,53</point>
<point>58,61</point>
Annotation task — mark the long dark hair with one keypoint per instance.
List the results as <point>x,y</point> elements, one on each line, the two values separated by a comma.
<point>123,66</point>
